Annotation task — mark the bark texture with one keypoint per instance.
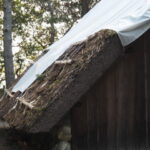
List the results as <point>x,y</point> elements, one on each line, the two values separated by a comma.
<point>8,57</point>
<point>84,6</point>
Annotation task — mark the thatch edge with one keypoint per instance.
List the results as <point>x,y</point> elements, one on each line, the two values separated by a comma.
<point>111,51</point>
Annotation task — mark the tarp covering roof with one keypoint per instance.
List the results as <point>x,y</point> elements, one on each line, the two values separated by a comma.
<point>129,18</point>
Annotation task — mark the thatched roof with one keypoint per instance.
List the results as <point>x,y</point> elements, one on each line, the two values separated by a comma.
<point>55,92</point>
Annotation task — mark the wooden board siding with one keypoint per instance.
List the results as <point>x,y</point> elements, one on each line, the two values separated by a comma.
<point>147,83</point>
<point>114,114</point>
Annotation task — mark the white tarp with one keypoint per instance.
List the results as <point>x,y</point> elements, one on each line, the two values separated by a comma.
<point>129,18</point>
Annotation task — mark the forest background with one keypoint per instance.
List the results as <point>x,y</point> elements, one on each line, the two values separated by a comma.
<point>35,25</point>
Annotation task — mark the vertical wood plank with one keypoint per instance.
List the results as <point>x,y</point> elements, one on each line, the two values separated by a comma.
<point>101,115</point>
<point>115,113</point>
<point>80,126</point>
<point>112,112</point>
<point>92,119</point>
<point>147,86</point>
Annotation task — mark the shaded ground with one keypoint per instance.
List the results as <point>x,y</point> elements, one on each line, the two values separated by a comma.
<point>17,140</point>
<point>13,140</point>
<point>5,141</point>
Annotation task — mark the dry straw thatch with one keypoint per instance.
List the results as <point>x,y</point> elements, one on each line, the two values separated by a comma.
<point>62,84</point>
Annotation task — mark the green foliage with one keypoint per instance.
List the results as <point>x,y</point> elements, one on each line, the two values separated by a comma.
<point>36,25</point>
<point>40,77</point>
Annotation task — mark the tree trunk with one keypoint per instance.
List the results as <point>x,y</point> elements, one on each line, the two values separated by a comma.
<point>53,31</point>
<point>84,6</point>
<point>8,57</point>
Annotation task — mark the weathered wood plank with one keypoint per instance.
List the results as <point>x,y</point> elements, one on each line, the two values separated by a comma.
<point>91,120</point>
<point>147,85</point>
<point>80,126</point>
<point>117,105</point>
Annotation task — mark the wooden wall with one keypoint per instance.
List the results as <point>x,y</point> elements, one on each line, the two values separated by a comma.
<point>114,114</point>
